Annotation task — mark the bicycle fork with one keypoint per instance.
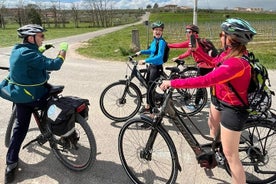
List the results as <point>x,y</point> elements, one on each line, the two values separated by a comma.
<point>146,153</point>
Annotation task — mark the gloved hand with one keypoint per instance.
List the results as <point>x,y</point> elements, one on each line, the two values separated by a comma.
<point>63,46</point>
<point>45,47</point>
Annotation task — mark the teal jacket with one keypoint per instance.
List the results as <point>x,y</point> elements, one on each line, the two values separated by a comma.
<point>28,73</point>
<point>158,58</point>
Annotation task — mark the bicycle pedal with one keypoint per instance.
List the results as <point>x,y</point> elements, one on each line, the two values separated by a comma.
<point>207,160</point>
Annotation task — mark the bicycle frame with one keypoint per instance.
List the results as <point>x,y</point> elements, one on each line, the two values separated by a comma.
<point>168,109</point>
<point>135,73</point>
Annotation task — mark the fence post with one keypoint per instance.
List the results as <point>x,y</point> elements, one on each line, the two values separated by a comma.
<point>135,40</point>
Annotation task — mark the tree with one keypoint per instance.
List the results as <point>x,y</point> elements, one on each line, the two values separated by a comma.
<point>3,12</point>
<point>148,6</point>
<point>75,14</point>
<point>33,14</point>
<point>155,6</point>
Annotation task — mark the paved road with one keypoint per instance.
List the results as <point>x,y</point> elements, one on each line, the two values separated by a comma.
<point>87,78</point>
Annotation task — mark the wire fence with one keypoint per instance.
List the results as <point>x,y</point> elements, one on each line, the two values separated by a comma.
<point>266,31</point>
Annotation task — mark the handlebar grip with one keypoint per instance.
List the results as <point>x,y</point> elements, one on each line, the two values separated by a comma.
<point>180,62</point>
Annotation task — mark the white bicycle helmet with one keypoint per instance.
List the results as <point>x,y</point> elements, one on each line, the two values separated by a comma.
<point>29,30</point>
<point>240,28</point>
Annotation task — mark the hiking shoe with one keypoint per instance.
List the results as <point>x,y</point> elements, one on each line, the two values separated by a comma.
<point>10,173</point>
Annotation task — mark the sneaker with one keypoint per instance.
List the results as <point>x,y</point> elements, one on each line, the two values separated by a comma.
<point>145,110</point>
<point>10,173</point>
<point>191,107</point>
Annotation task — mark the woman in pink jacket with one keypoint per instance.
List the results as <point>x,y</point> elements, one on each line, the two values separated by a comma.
<point>203,59</point>
<point>227,111</point>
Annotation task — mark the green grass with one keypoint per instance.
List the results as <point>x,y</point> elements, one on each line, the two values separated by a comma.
<point>8,36</point>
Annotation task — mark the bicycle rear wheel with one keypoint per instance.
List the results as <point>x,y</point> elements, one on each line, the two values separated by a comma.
<point>157,165</point>
<point>192,100</point>
<point>258,151</point>
<point>186,101</point>
<point>118,104</point>
<point>10,126</point>
<point>81,155</point>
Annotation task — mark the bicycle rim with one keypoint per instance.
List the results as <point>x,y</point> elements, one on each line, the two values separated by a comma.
<point>187,99</point>
<point>117,106</point>
<point>161,168</point>
<point>84,155</point>
<point>258,152</point>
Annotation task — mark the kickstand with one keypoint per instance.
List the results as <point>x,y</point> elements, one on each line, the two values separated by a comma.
<point>29,143</point>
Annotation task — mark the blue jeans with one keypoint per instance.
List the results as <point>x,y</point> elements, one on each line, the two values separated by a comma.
<point>24,113</point>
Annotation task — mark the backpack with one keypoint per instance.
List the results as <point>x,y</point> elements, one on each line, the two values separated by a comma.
<point>208,47</point>
<point>259,95</point>
<point>166,52</point>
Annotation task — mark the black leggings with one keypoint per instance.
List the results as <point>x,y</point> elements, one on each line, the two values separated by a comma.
<point>154,72</point>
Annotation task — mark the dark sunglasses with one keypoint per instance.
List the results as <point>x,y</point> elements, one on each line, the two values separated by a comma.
<point>188,32</point>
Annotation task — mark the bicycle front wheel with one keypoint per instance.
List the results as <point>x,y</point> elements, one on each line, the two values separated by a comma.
<point>120,102</point>
<point>258,151</point>
<point>155,165</point>
<point>82,154</point>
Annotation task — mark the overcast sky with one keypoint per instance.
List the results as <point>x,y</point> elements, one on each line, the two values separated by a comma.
<point>135,4</point>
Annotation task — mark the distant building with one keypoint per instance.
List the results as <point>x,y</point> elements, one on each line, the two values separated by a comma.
<point>170,7</point>
<point>248,9</point>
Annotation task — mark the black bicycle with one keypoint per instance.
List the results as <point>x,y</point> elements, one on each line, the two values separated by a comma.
<point>148,153</point>
<point>77,150</point>
<point>122,100</point>
<point>192,100</point>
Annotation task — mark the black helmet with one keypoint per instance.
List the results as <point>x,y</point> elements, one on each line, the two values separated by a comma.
<point>193,27</point>
<point>243,31</point>
<point>157,24</point>
<point>29,30</point>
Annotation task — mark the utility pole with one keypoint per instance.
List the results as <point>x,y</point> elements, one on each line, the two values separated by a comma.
<point>195,13</point>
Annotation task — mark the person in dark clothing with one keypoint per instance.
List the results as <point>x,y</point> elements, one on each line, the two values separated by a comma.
<point>29,73</point>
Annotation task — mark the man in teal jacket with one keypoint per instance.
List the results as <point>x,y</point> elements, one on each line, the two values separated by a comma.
<point>27,85</point>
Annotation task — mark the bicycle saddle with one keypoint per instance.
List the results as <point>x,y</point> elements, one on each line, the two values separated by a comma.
<point>55,89</point>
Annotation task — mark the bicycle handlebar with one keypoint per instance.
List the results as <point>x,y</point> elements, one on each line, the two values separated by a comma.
<point>4,68</point>
<point>180,62</point>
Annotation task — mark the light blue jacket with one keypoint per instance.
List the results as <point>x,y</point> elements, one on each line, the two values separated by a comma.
<point>155,59</point>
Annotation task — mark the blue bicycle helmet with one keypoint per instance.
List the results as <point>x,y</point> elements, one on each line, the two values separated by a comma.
<point>243,31</point>
<point>157,24</point>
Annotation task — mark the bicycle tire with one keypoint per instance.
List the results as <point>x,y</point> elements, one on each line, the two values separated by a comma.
<point>132,139</point>
<point>10,127</point>
<point>84,155</point>
<point>188,96</point>
<point>116,108</point>
<point>257,149</point>
<point>184,99</point>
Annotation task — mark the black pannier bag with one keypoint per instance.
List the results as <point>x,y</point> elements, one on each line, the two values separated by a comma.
<point>61,114</point>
